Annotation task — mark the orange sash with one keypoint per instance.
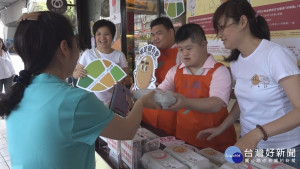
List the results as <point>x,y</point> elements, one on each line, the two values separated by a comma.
<point>190,122</point>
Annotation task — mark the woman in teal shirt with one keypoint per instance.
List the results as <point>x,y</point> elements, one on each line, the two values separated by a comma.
<point>49,123</point>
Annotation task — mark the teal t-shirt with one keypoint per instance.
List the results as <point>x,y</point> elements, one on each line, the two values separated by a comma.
<point>55,126</point>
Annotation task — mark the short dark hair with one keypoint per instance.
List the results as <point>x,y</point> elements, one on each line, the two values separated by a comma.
<point>3,45</point>
<point>103,22</point>
<point>36,42</point>
<point>190,30</point>
<point>165,21</point>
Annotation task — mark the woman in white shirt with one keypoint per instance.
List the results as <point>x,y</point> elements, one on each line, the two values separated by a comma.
<point>267,84</point>
<point>104,32</point>
<point>6,68</point>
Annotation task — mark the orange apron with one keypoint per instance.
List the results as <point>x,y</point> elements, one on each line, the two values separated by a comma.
<point>163,119</point>
<point>190,122</point>
<point>166,61</point>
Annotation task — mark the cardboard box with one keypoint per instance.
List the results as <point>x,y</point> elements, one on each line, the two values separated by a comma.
<point>103,138</point>
<point>188,157</point>
<point>114,144</point>
<point>132,150</point>
<point>115,158</point>
<point>228,165</point>
<point>159,159</point>
<point>170,140</point>
<point>114,151</point>
<point>213,155</point>
<point>214,166</point>
<point>151,142</point>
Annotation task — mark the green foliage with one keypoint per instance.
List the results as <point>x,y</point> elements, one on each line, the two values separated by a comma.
<point>70,12</point>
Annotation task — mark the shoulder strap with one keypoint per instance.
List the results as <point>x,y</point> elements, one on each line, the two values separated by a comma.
<point>178,69</point>
<point>97,53</point>
<point>216,66</point>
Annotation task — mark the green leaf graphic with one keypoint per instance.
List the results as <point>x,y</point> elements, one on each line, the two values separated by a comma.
<point>85,82</point>
<point>179,8</point>
<point>117,73</point>
<point>172,10</point>
<point>95,68</point>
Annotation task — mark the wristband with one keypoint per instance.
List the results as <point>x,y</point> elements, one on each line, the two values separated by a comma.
<point>263,132</point>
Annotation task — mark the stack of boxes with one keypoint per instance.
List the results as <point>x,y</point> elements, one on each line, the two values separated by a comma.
<point>143,152</point>
<point>188,157</point>
<point>114,152</point>
<point>131,151</point>
<point>162,160</point>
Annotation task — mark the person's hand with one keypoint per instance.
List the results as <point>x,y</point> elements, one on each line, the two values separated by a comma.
<point>249,141</point>
<point>209,133</point>
<point>180,102</point>
<point>148,101</point>
<point>79,72</point>
<point>131,88</point>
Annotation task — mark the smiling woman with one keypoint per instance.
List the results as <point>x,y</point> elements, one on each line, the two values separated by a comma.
<point>267,82</point>
<point>104,32</point>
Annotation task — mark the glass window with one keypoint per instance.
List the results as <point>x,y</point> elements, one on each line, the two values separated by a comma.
<point>140,13</point>
<point>41,5</point>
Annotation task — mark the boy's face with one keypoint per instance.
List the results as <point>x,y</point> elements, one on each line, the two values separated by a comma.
<point>192,54</point>
<point>160,36</point>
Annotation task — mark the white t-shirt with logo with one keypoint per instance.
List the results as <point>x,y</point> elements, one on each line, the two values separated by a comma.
<point>116,57</point>
<point>6,67</point>
<point>261,99</point>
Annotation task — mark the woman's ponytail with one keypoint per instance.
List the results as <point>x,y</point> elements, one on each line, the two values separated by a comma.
<point>12,97</point>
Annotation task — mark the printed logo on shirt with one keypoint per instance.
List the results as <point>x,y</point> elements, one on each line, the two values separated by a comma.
<point>258,80</point>
<point>195,84</point>
<point>192,87</point>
